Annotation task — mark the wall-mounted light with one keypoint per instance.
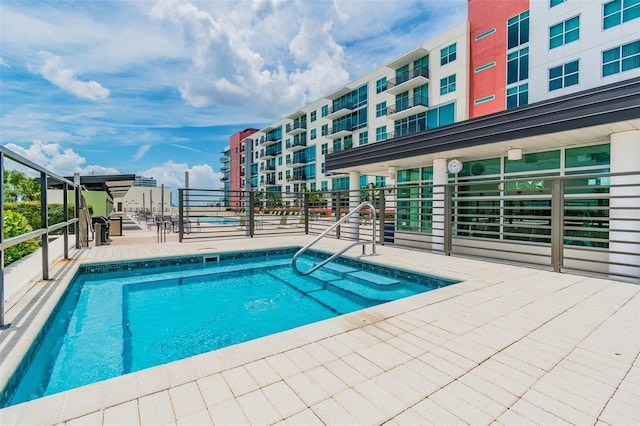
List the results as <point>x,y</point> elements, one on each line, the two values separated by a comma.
<point>514,154</point>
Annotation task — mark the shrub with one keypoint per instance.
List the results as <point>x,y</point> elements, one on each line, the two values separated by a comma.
<point>16,224</point>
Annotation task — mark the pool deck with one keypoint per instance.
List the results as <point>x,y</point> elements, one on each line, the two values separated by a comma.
<point>508,345</point>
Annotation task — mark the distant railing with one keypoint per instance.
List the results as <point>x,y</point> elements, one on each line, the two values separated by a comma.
<point>587,224</point>
<point>80,219</point>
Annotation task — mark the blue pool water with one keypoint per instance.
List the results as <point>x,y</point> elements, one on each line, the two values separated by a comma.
<point>218,220</point>
<point>120,318</point>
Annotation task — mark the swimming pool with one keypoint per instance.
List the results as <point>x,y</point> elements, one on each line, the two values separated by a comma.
<point>119,318</point>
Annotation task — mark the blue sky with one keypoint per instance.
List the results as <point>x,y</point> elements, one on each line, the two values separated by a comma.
<point>157,87</point>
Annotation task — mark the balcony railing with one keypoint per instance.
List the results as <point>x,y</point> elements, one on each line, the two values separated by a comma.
<point>406,107</point>
<point>408,79</point>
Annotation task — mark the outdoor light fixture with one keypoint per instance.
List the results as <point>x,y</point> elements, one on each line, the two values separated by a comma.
<point>514,154</point>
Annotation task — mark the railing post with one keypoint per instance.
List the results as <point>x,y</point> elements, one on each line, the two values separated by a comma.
<point>3,325</point>
<point>338,201</point>
<point>306,212</point>
<point>44,224</point>
<point>180,214</point>
<point>382,219</point>
<point>76,181</point>
<point>65,217</point>
<point>557,224</point>
<point>252,199</point>
<point>448,223</point>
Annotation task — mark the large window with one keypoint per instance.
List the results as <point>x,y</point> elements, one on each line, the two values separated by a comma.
<point>441,116</point>
<point>381,85</point>
<point>313,116</point>
<point>621,58</point>
<point>381,109</point>
<point>412,124</point>
<point>324,111</point>
<point>517,96</point>
<point>564,32</point>
<point>563,75</point>
<point>518,30</point>
<point>448,54</point>
<point>448,84</point>
<point>518,65</point>
<point>381,133</point>
<point>618,11</point>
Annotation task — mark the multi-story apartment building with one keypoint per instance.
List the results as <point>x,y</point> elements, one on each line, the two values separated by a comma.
<point>234,166</point>
<point>508,56</point>
<point>423,89</point>
<point>527,51</point>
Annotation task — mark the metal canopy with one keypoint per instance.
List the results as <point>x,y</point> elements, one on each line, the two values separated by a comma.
<point>114,185</point>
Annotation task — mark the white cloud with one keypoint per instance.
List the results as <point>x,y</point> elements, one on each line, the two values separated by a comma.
<point>171,174</point>
<point>4,64</point>
<point>142,150</point>
<point>54,71</point>
<point>61,161</point>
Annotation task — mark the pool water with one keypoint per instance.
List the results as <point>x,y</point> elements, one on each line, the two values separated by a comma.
<point>115,323</point>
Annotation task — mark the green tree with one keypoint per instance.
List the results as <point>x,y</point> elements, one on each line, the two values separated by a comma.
<point>20,187</point>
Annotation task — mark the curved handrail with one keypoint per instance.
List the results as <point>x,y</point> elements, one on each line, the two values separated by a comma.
<point>329,229</point>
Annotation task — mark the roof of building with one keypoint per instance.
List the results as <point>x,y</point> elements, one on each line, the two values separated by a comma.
<point>114,185</point>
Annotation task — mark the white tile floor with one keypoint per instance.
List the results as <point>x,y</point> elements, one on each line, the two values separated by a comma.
<point>507,345</point>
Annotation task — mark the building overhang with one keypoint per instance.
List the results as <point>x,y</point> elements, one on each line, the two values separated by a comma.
<point>575,119</point>
<point>116,186</point>
<point>407,58</point>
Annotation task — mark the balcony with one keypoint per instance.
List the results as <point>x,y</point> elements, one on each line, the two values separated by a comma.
<point>299,160</point>
<point>271,180</point>
<point>339,110</point>
<point>340,131</point>
<point>298,144</point>
<point>297,177</point>
<point>270,140</point>
<point>224,169</point>
<point>225,159</point>
<point>268,168</point>
<point>296,127</point>
<point>408,80</point>
<point>271,153</point>
<point>405,108</point>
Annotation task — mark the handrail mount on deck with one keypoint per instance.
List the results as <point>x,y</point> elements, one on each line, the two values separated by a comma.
<point>346,217</point>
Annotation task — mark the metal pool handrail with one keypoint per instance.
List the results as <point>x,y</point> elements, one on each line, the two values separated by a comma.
<point>332,227</point>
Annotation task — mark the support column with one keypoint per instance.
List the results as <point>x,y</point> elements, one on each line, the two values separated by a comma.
<point>351,229</point>
<point>624,215</point>
<point>440,178</point>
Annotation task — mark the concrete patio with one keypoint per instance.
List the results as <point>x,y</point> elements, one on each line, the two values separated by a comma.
<point>508,345</point>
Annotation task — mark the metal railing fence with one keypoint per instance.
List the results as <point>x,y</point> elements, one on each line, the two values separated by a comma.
<point>588,224</point>
<point>80,219</point>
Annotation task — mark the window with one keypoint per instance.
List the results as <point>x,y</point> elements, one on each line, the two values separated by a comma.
<point>518,65</point>
<point>621,58</point>
<point>324,148</point>
<point>440,116</point>
<point>563,75</point>
<point>279,161</point>
<point>381,109</point>
<point>313,134</point>
<point>618,11</point>
<point>324,131</point>
<point>485,34</point>
<point>322,169</point>
<point>485,66</point>
<point>484,99</point>
<point>448,54</point>
<point>518,30</point>
<point>553,3</point>
<point>364,138</point>
<point>324,185</point>
<point>313,116</point>
<point>564,32</point>
<point>381,85</point>
<point>448,84</point>
<point>517,96</point>
<point>324,110</point>
<point>381,133</point>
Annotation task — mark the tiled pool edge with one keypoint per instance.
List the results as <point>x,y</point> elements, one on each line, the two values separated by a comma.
<point>76,403</point>
<point>95,269</point>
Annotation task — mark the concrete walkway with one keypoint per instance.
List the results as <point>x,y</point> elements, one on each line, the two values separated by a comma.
<point>507,345</point>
